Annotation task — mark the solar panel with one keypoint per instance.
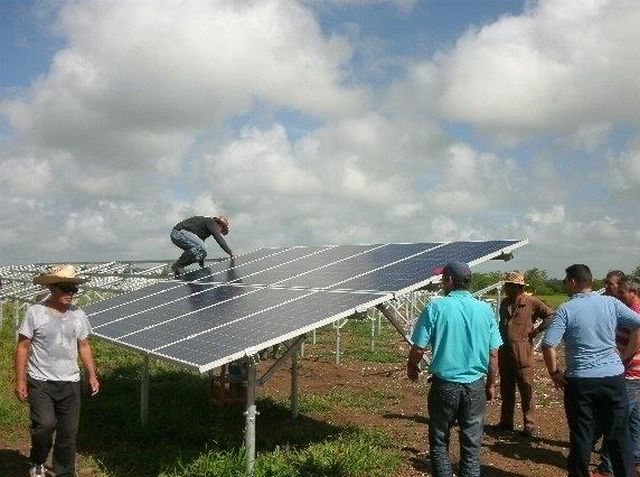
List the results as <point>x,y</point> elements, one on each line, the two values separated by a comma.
<point>218,314</point>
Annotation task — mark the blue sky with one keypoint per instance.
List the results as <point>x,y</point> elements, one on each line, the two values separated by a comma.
<point>312,122</point>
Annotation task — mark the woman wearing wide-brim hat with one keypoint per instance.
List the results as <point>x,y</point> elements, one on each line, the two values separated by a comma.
<point>51,336</point>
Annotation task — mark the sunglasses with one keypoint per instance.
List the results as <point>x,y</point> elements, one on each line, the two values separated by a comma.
<point>64,288</point>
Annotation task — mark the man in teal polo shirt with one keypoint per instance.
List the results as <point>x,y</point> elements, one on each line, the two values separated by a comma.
<point>464,339</point>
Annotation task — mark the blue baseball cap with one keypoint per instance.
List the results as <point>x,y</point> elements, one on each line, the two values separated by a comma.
<point>456,270</point>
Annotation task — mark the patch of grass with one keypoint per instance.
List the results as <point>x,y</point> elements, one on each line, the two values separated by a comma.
<point>554,301</point>
<point>187,436</point>
<point>13,413</point>
<point>351,454</point>
<point>347,398</point>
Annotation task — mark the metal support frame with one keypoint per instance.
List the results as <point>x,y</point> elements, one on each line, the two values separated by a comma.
<point>338,325</point>
<point>294,383</point>
<point>250,416</point>
<point>394,316</point>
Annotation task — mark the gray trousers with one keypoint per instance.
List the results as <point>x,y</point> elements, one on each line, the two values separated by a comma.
<point>54,406</point>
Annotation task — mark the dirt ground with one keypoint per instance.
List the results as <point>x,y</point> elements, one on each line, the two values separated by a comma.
<point>398,406</point>
<point>403,415</point>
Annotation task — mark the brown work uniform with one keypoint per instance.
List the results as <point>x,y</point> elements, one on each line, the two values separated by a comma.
<point>515,356</point>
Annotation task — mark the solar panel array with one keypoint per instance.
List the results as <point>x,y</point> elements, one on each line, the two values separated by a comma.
<point>218,314</point>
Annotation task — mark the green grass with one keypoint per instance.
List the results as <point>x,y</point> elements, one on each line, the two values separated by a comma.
<point>351,454</point>
<point>187,436</point>
<point>554,300</point>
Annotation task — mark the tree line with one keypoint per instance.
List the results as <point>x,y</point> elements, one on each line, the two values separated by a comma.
<point>538,281</point>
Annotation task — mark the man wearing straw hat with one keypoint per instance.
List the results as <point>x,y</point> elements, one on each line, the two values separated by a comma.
<point>190,235</point>
<point>519,311</point>
<point>51,336</point>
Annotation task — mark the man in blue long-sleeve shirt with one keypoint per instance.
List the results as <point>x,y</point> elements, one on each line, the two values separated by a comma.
<point>593,383</point>
<point>190,235</point>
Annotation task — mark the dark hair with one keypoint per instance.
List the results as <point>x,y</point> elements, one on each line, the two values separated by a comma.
<point>631,284</point>
<point>615,273</point>
<point>580,273</point>
<point>459,283</point>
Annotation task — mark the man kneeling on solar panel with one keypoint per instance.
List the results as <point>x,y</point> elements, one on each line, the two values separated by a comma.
<point>190,235</point>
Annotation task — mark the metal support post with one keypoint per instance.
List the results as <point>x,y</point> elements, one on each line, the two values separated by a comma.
<point>372,320</point>
<point>294,384</point>
<point>338,325</point>
<point>395,318</point>
<point>337,344</point>
<point>250,418</point>
<point>144,392</point>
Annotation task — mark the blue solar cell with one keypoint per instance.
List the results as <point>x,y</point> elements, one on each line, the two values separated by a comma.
<point>218,270</point>
<point>304,268</point>
<point>214,317</point>
<point>421,267</point>
<point>166,292</point>
<point>214,314</point>
<point>363,263</point>
<point>264,329</point>
<point>201,298</point>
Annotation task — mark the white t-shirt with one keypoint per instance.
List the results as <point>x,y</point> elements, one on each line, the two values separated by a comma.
<point>54,342</point>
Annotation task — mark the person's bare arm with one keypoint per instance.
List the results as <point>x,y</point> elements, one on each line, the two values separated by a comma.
<point>550,360</point>
<point>415,356</point>
<point>633,346</point>
<point>86,356</point>
<point>492,374</point>
<point>20,388</point>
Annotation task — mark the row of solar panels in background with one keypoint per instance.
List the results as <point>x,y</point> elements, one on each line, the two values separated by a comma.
<point>217,313</point>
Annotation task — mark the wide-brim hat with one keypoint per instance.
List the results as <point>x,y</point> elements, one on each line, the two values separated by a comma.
<point>60,274</point>
<point>516,278</point>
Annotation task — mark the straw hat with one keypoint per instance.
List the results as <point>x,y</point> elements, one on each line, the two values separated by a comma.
<point>59,274</point>
<point>516,278</point>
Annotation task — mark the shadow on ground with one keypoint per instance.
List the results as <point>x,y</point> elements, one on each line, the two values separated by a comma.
<point>183,424</point>
<point>13,463</point>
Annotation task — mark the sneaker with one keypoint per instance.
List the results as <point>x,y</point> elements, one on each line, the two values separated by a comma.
<point>37,470</point>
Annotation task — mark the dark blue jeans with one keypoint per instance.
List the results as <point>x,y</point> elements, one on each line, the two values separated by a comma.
<point>449,402</point>
<point>633,391</point>
<point>592,403</point>
<point>54,406</point>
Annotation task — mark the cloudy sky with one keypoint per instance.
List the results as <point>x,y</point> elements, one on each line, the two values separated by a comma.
<point>321,121</point>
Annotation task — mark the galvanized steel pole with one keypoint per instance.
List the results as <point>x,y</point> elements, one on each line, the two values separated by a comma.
<point>250,419</point>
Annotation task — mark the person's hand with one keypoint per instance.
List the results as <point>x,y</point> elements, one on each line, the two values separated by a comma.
<point>94,385</point>
<point>21,391</point>
<point>490,391</point>
<point>413,372</point>
<point>558,379</point>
